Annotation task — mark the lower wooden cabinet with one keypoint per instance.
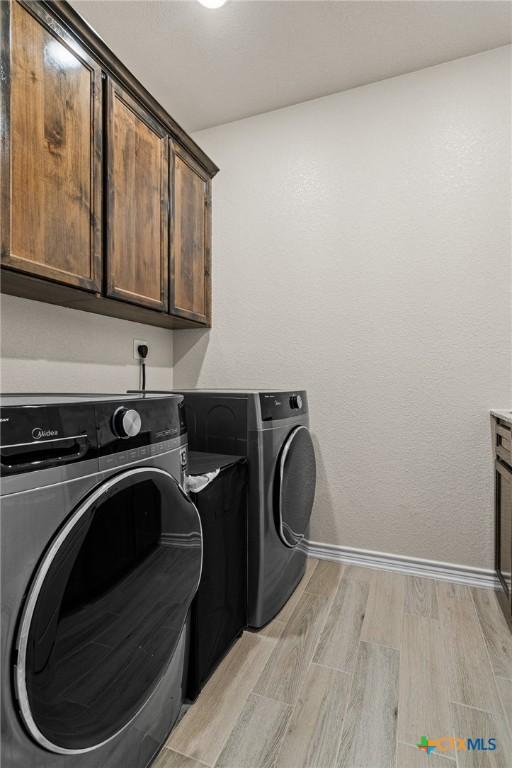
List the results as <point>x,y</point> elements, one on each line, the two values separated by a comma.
<point>137,220</point>
<point>504,534</point>
<point>503,516</point>
<point>190,294</point>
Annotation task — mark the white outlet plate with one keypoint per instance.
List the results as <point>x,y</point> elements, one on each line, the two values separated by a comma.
<point>136,343</point>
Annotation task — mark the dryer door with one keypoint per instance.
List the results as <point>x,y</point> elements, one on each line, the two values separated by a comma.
<point>106,609</point>
<point>296,481</point>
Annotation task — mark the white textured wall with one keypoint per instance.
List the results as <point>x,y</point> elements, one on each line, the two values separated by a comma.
<point>362,251</point>
<point>53,349</point>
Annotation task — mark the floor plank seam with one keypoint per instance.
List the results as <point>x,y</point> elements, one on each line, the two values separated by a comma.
<point>316,593</point>
<point>420,615</point>
<point>330,595</point>
<point>508,721</point>
<point>482,634</point>
<point>334,669</point>
<point>291,714</point>
<point>381,645</point>
<point>352,675</point>
<point>221,750</point>
<point>477,709</point>
<point>270,698</point>
<point>191,757</point>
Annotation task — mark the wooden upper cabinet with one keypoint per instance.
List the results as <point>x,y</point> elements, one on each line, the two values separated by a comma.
<point>191,234</point>
<point>105,202</point>
<point>51,150</point>
<point>137,203</point>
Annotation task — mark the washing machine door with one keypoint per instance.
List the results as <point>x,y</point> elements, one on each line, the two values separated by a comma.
<point>106,609</point>
<point>296,481</point>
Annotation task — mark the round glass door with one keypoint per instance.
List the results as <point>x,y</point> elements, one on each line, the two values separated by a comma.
<point>105,611</point>
<point>296,479</point>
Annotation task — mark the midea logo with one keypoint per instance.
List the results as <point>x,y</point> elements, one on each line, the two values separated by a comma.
<point>38,433</point>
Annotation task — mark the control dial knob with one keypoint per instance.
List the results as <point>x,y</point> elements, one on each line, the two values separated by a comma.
<point>126,422</point>
<point>295,401</point>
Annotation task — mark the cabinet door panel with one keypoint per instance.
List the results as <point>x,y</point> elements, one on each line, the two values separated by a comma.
<point>190,248</point>
<point>138,211</point>
<point>504,527</point>
<point>52,182</point>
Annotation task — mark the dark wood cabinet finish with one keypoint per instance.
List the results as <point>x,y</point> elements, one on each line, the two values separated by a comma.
<point>503,515</point>
<point>105,201</point>
<point>51,162</point>
<point>39,289</point>
<point>137,255</point>
<point>114,67</point>
<point>191,236</point>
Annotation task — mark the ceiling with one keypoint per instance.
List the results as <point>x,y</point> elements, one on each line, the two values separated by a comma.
<point>208,67</point>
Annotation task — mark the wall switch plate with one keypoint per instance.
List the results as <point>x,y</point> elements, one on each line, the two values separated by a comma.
<point>136,343</point>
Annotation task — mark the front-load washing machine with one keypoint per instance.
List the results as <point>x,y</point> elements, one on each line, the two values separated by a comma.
<point>271,428</point>
<point>101,557</point>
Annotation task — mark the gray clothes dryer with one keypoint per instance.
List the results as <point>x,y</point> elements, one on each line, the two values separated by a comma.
<point>101,557</point>
<point>271,428</point>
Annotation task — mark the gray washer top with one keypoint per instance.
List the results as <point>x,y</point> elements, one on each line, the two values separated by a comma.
<point>50,398</point>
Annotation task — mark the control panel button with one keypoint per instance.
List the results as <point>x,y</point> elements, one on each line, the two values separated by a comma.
<point>295,401</point>
<point>126,422</point>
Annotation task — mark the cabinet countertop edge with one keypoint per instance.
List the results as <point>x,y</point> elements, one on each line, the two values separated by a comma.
<point>503,414</point>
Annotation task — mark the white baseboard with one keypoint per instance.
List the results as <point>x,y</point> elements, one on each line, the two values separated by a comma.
<point>414,566</point>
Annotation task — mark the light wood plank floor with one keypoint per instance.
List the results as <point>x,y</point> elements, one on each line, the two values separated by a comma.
<point>357,667</point>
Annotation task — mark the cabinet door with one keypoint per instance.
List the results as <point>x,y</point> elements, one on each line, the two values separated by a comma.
<point>138,203</point>
<point>504,529</point>
<point>51,150</point>
<point>190,246</point>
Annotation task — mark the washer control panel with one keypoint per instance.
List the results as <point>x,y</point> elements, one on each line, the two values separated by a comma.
<point>133,455</point>
<point>139,423</point>
<point>41,431</point>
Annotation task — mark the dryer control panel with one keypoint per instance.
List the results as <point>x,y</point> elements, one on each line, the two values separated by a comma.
<point>282,405</point>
